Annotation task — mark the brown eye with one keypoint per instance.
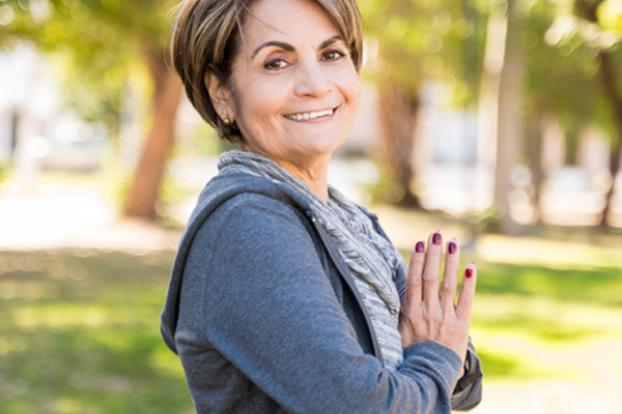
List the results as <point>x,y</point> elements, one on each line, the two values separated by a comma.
<point>334,54</point>
<point>275,64</point>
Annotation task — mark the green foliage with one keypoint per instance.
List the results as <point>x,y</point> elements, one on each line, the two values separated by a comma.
<point>95,43</point>
<point>427,40</point>
<point>563,68</point>
<point>610,15</point>
<point>444,40</point>
<point>561,76</point>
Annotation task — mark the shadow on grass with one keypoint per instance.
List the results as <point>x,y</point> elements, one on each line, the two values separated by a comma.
<point>75,365</point>
<point>80,334</point>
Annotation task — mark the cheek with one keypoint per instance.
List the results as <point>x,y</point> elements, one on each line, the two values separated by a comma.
<point>260,101</point>
<point>350,87</point>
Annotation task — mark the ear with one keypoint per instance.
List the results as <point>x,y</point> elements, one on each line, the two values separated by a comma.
<point>221,97</point>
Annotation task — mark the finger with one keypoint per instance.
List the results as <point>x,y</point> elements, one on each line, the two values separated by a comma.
<point>431,270</point>
<point>450,276</point>
<point>413,285</point>
<point>467,292</point>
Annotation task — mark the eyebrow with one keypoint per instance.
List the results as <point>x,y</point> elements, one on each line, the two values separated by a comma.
<point>290,48</point>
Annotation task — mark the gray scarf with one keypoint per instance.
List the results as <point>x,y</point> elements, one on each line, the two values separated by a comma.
<point>369,256</point>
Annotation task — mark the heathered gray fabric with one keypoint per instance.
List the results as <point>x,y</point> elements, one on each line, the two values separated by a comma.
<point>266,318</point>
<point>370,257</point>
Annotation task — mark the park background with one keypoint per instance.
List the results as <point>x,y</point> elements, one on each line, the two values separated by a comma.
<point>496,121</point>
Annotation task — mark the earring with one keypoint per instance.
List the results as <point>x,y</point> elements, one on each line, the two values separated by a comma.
<point>227,121</point>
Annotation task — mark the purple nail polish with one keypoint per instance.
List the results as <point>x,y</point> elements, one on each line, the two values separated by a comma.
<point>468,273</point>
<point>452,247</point>
<point>437,238</point>
<point>419,247</point>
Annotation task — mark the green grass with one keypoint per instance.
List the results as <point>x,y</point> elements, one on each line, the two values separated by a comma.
<point>545,322</point>
<point>79,334</point>
<point>79,331</point>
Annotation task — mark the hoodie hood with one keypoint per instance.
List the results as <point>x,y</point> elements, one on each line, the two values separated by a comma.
<point>217,191</point>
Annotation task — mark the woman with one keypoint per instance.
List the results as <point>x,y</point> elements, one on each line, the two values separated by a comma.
<point>285,296</point>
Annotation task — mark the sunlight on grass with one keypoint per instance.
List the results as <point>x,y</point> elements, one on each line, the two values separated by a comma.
<point>531,250</point>
<point>547,319</point>
<point>500,362</point>
<point>68,406</point>
<point>60,316</point>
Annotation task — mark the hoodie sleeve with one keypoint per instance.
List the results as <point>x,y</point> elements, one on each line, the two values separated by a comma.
<point>269,309</point>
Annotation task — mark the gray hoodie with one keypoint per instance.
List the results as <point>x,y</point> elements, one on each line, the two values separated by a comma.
<point>264,315</point>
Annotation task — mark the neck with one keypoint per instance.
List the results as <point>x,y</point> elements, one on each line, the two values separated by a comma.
<point>314,176</point>
<point>311,171</point>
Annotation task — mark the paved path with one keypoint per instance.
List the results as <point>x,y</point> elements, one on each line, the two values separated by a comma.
<point>68,215</point>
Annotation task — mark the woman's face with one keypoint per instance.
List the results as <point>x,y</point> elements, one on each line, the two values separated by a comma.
<point>295,88</point>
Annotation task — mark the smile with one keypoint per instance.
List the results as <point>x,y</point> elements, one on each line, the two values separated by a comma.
<point>310,116</point>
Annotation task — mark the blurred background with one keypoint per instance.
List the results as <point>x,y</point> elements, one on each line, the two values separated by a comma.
<point>496,121</point>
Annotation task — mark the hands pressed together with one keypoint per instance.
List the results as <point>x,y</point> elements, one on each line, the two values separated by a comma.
<point>430,311</point>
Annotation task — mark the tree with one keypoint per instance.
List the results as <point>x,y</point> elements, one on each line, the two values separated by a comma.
<point>501,115</point>
<point>418,41</point>
<point>609,68</point>
<point>561,67</point>
<point>104,37</point>
<point>574,75</point>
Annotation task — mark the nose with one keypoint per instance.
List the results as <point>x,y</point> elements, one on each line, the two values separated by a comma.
<point>313,80</point>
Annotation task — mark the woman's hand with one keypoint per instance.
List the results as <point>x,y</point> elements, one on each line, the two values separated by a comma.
<point>429,311</point>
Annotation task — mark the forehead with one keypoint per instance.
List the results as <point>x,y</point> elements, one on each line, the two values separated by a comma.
<point>293,21</point>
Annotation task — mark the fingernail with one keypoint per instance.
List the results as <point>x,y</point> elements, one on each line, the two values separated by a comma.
<point>451,248</point>
<point>419,247</point>
<point>436,238</point>
<point>468,273</point>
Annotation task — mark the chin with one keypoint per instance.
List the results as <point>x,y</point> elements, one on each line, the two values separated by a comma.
<point>324,146</point>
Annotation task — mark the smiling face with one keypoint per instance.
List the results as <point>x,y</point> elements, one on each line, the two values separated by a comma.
<point>294,88</point>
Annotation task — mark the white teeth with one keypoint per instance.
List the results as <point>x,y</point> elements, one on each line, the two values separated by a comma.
<point>309,115</point>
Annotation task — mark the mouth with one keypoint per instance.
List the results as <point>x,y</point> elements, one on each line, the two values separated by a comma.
<point>313,116</point>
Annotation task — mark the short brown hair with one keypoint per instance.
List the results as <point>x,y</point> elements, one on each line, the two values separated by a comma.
<point>205,41</point>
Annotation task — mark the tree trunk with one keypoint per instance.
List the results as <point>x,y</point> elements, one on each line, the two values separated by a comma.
<point>608,76</point>
<point>398,119</point>
<point>510,126</point>
<point>500,110</point>
<point>534,153</point>
<point>167,92</point>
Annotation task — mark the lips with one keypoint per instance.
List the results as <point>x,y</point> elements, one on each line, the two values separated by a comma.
<point>311,115</point>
